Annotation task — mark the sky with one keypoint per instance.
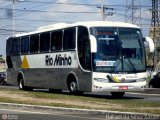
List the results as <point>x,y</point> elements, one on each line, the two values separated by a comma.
<point>31,14</point>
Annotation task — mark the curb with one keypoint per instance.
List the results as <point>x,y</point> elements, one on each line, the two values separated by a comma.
<point>152,90</point>
<point>148,91</point>
<point>77,110</point>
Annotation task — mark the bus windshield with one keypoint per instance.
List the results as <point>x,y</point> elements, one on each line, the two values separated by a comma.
<point>118,50</point>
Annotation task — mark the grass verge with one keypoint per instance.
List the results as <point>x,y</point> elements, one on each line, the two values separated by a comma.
<point>73,101</point>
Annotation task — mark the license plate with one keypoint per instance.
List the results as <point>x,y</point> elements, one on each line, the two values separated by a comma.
<point>123,87</point>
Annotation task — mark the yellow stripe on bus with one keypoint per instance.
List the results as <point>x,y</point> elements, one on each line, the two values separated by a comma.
<point>116,80</point>
<point>25,63</point>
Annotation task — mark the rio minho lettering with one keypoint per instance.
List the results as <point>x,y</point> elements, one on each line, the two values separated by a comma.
<point>59,60</point>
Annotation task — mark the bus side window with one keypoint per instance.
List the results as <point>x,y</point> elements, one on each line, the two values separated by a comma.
<point>69,39</point>
<point>25,45</point>
<point>9,47</point>
<point>16,46</point>
<point>44,42</point>
<point>56,40</point>
<point>34,43</point>
<point>84,51</point>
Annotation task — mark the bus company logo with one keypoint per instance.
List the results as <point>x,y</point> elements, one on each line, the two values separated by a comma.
<point>9,117</point>
<point>4,117</point>
<point>59,60</point>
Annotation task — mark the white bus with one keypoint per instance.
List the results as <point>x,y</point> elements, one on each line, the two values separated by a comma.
<point>95,56</point>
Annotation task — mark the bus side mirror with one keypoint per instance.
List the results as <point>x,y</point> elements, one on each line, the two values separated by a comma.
<point>93,43</point>
<point>149,43</point>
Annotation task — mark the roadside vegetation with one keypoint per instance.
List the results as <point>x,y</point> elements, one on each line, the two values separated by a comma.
<point>64,99</point>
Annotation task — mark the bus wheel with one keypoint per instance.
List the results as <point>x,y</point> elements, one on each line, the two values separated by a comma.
<point>22,87</point>
<point>73,87</point>
<point>117,94</point>
<point>21,84</point>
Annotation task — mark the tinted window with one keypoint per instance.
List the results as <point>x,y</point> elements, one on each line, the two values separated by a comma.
<point>84,52</point>
<point>25,45</point>
<point>69,38</point>
<point>56,40</point>
<point>9,46</point>
<point>108,45</point>
<point>16,46</point>
<point>44,42</point>
<point>34,43</point>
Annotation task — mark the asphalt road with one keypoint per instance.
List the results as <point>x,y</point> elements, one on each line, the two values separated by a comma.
<point>12,113</point>
<point>8,114</point>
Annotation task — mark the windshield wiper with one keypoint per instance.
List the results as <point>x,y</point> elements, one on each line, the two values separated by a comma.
<point>115,64</point>
<point>132,65</point>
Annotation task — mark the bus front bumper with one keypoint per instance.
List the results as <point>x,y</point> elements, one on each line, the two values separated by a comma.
<point>118,87</point>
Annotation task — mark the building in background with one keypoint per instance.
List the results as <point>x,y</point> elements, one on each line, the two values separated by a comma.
<point>2,64</point>
<point>2,70</point>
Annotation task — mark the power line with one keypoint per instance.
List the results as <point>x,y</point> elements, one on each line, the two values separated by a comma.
<point>35,20</point>
<point>3,2</point>
<point>9,30</point>
<point>22,14</point>
<point>82,4</point>
<point>85,4</point>
<point>61,3</point>
<point>68,14</point>
<point>57,20</point>
<point>42,11</point>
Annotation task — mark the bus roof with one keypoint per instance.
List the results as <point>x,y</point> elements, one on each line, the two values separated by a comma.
<point>87,24</point>
<point>105,23</point>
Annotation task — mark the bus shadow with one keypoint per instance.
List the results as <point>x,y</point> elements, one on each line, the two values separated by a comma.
<point>97,95</point>
<point>92,95</point>
<point>109,96</point>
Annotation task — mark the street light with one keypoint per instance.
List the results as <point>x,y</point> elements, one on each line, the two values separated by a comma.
<point>13,24</point>
<point>13,16</point>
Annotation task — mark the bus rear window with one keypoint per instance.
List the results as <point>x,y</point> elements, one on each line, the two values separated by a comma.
<point>9,46</point>
<point>16,46</point>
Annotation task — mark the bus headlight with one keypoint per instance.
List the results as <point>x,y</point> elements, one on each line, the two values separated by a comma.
<point>141,80</point>
<point>101,80</point>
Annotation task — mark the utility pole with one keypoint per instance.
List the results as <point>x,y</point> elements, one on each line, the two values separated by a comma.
<point>103,8</point>
<point>13,17</point>
<point>155,29</point>
<point>13,13</point>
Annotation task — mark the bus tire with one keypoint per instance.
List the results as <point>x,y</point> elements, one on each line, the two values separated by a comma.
<point>21,84</point>
<point>117,94</point>
<point>72,86</point>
